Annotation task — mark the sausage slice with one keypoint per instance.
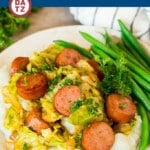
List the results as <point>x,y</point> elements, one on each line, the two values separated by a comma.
<point>32,87</point>
<point>35,122</point>
<point>18,64</point>
<point>67,57</point>
<point>120,108</point>
<point>95,66</point>
<point>98,136</point>
<point>65,97</point>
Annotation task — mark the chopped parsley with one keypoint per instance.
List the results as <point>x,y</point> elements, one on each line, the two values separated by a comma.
<point>117,78</point>
<point>54,82</point>
<point>34,70</point>
<point>92,110</point>
<point>77,81</point>
<point>89,102</point>
<point>122,106</point>
<point>25,146</point>
<point>76,105</point>
<point>67,81</point>
<point>78,139</point>
<point>46,66</point>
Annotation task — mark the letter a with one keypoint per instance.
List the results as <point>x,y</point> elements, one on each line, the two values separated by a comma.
<point>22,2</point>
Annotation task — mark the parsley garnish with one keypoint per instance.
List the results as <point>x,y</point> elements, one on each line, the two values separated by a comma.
<point>76,105</point>
<point>122,106</point>
<point>46,66</point>
<point>54,82</point>
<point>25,146</point>
<point>117,78</point>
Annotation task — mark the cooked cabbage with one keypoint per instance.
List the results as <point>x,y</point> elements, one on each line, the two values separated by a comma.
<point>13,120</point>
<point>49,113</point>
<point>27,139</point>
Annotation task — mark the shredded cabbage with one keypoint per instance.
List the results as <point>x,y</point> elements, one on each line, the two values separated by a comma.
<point>13,119</point>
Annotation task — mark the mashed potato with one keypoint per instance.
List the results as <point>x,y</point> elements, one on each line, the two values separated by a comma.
<point>128,142</point>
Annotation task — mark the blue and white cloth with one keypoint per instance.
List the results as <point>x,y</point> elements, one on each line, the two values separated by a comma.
<point>136,18</point>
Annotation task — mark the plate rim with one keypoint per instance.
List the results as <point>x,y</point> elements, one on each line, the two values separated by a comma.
<point>6,52</point>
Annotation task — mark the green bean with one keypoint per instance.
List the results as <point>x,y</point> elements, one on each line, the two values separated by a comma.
<point>148,94</point>
<point>145,128</point>
<point>111,44</point>
<point>99,44</point>
<point>138,79</point>
<point>74,46</point>
<point>145,85</point>
<point>138,92</point>
<point>131,54</point>
<point>107,38</point>
<point>127,55</point>
<point>134,53</point>
<point>100,53</point>
<point>134,42</point>
<point>149,130</point>
<point>143,74</point>
<point>122,46</point>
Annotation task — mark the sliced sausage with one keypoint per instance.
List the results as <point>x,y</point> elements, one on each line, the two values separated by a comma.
<point>32,87</point>
<point>98,136</point>
<point>120,108</point>
<point>35,122</point>
<point>96,68</point>
<point>18,64</point>
<point>65,97</point>
<point>67,57</point>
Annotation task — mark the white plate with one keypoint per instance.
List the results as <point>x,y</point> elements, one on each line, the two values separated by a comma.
<point>42,39</point>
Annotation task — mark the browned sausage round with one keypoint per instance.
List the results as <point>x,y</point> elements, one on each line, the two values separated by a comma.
<point>35,122</point>
<point>96,68</point>
<point>65,97</point>
<point>18,64</point>
<point>98,136</point>
<point>119,108</point>
<point>67,57</point>
<point>32,87</point>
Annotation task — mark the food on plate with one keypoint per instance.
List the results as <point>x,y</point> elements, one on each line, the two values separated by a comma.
<point>68,97</point>
<point>19,64</point>
<point>32,86</point>
<point>96,67</point>
<point>68,57</point>
<point>65,97</point>
<point>34,121</point>
<point>99,135</point>
<point>119,108</point>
